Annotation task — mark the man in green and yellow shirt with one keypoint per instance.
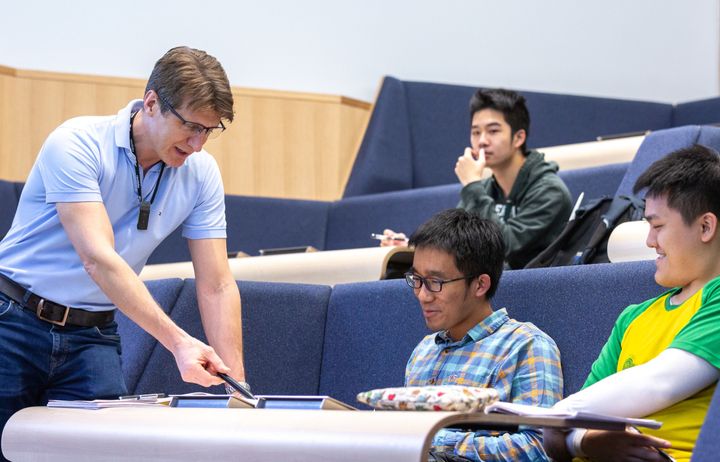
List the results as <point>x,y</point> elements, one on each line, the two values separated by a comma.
<point>662,359</point>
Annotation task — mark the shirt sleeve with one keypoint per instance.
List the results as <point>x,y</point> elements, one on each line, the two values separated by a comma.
<point>69,165</point>
<point>207,219</point>
<point>534,377</point>
<point>702,334</point>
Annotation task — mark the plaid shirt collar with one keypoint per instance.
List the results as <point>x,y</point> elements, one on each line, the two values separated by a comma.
<point>483,329</point>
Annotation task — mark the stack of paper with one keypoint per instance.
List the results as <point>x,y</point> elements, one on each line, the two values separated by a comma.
<point>108,403</point>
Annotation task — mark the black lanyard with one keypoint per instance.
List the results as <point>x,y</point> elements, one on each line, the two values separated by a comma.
<point>144,212</point>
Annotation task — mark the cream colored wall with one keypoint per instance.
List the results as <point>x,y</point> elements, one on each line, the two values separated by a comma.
<point>281,144</point>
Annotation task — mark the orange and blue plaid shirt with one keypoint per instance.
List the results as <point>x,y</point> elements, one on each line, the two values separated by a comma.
<point>517,359</point>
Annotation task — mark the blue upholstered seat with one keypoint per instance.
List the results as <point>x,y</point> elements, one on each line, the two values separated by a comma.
<point>417,129</point>
<point>707,446</point>
<point>660,143</point>
<point>283,329</point>
<point>138,345</point>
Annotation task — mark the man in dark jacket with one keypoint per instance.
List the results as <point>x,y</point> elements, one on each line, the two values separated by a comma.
<point>524,195</point>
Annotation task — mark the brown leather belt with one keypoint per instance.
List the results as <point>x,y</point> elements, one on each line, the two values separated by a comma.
<point>52,312</point>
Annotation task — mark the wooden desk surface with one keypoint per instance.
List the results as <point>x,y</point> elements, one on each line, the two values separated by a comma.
<point>172,434</point>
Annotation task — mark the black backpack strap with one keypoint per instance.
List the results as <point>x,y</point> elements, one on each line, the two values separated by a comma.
<point>618,208</point>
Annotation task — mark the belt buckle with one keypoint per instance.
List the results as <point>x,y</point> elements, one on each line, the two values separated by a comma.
<point>38,313</point>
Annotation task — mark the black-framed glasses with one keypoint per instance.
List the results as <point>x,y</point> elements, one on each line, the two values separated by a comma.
<point>193,128</point>
<point>432,284</point>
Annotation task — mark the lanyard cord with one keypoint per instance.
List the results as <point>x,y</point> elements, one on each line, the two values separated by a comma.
<point>144,214</point>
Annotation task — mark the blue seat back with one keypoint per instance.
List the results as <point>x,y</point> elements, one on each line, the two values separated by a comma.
<point>706,111</point>
<point>351,220</point>
<point>593,181</point>
<point>658,144</point>
<point>283,328</point>
<point>418,129</point>
<point>10,194</point>
<point>707,446</point>
<point>255,223</point>
<point>138,345</point>
<point>371,330</point>
<point>576,305</point>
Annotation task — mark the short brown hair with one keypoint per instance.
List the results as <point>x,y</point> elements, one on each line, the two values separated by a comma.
<point>186,77</point>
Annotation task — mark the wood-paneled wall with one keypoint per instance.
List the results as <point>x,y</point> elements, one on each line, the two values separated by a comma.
<point>281,144</point>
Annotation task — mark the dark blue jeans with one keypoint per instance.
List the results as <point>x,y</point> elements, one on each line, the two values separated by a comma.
<point>40,361</point>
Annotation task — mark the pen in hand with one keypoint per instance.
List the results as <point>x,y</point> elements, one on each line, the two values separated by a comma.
<point>236,385</point>
<point>382,237</point>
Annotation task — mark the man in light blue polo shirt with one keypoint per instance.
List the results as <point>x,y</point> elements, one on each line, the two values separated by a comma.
<point>103,193</point>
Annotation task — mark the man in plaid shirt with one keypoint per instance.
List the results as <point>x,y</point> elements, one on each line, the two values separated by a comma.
<point>456,269</point>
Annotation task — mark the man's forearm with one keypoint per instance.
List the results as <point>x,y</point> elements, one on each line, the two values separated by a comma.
<point>130,295</point>
<point>221,313</point>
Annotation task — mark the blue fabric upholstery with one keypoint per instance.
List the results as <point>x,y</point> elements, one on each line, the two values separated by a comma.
<point>576,305</point>
<point>593,181</point>
<point>255,223</point>
<point>9,193</point>
<point>351,220</point>
<point>418,129</point>
<point>660,143</point>
<point>373,327</point>
<point>701,112</point>
<point>390,128</point>
<point>707,446</point>
<point>173,248</point>
<point>19,186</point>
<point>371,330</point>
<point>283,328</point>
<point>137,345</point>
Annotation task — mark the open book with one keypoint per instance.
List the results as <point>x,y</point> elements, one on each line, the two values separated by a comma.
<point>108,403</point>
<point>534,411</point>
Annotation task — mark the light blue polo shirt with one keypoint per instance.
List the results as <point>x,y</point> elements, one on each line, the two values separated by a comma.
<point>88,159</point>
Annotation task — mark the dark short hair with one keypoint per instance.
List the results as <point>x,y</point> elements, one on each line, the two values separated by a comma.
<point>475,243</point>
<point>688,178</point>
<point>511,104</point>
<point>188,77</point>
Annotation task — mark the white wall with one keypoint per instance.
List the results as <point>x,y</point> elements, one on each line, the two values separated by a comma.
<point>661,50</point>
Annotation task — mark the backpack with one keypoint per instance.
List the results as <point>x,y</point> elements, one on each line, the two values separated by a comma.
<point>584,238</point>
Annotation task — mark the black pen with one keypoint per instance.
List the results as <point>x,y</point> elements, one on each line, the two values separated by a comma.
<point>236,385</point>
<point>662,453</point>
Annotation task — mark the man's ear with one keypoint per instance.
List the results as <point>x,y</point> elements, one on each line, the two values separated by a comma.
<point>150,102</point>
<point>483,285</point>
<point>708,226</point>
<point>519,138</point>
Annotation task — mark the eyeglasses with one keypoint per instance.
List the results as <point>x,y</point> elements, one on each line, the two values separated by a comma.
<point>194,128</point>
<point>432,284</point>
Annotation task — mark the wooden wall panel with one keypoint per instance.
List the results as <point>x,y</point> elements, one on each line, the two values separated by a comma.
<point>281,144</point>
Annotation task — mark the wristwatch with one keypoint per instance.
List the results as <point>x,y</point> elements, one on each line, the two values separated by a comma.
<point>229,389</point>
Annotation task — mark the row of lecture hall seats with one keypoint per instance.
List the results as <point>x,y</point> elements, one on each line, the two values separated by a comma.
<point>256,223</point>
<point>260,223</point>
<point>418,129</point>
<point>314,339</point>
